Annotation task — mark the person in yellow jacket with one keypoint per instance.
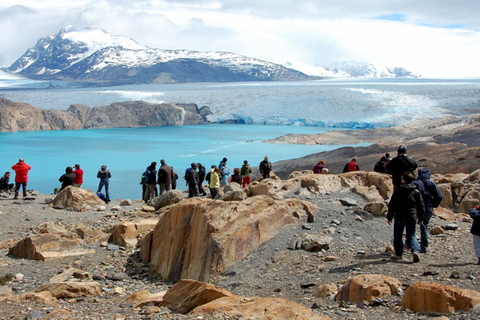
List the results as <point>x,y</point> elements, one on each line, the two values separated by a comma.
<point>214,181</point>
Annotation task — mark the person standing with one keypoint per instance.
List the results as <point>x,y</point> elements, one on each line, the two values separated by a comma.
<point>151,182</point>
<point>265,168</point>
<point>165,174</point>
<point>174,179</point>
<point>214,181</point>
<point>78,176</point>
<point>5,184</point>
<point>406,207</point>
<point>104,175</point>
<point>67,178</point>
<point>432,196</point>
<point>236,177</point>
<point>246,172</point>
<point>201,178</point>
<point>21,176</point>
<point>224,175</point>
<point>475,230</point>
<point>193,181</point>
<point>381,165</point>
<point>399,165</point>
<point>351,166</point>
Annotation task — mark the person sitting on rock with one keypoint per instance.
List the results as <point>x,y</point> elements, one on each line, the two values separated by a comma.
<point>5,184</point>
<point>319,167</point>
<point>351,166</point>
<point>67,178</point>
<point>406,206</point>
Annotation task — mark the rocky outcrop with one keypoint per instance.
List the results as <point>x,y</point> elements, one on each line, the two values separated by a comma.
<point>16,116</point>
<point>206,300</point>
<point>434,297</point>
<point>368,287</point>
<point>77,199</point>
<point>199,238</point>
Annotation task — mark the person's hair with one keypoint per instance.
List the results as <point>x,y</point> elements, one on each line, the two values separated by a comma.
<point>68,169</point>
<point>218,170</point>
<point>21,160</point>
<point>77,166</point>
<point>245,162</point>
<point>236,170</point>
<point>162,161</point>
<point>408,176</point>
<point>8,172</point>
<point>321,162</point>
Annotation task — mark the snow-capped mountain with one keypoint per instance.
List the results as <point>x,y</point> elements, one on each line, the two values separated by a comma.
<point>93,55</point>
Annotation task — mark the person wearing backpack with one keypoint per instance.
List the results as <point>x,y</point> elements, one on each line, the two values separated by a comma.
<point>351,166</point>
<point>151,182</point>
<point>399,165</point>
<point>246,172</point>
<point>432,196</point>
<point>224,174</point>
<point>381,165</point>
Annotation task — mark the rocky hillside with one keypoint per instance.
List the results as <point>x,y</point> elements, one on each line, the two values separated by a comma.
<point>445,145</point>
<point>308,247</point>
<point>24,117</point>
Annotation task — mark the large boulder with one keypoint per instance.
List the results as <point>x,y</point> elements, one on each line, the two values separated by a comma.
<point>126,233</point>
<point>368,287</point>
<point>168,198</point>
<point>71,289</point>
<point>429,297</point>
<point>48,246</point>
<point>206,300</point>
<point>233,192</point>
<point>199,238</point>
<point>77,198</point>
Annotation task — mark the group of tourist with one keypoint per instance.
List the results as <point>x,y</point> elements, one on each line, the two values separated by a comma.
<point>414,198</point>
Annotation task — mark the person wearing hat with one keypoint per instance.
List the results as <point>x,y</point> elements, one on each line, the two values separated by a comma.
<point>21,176</point>
<point>246,172</point>
<point>399,165</point>
<point>104,175</point>
<point>78,176</point>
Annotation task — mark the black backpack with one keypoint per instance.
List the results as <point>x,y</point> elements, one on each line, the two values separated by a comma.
<point>187,175</point>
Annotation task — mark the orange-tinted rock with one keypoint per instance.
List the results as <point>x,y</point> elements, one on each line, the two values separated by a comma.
<point>126,233</point>
<point>434,297</point>
<point>368,287</point>
<point>77,198</point>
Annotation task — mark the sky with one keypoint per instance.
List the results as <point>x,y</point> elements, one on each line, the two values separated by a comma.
<point>432,38</point>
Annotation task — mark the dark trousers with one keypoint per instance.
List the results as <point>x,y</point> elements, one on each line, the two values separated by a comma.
<point>17,188</point>
<point>410,241</point>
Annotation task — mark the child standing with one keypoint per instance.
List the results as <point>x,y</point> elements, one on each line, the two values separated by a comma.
<point>475,230</point>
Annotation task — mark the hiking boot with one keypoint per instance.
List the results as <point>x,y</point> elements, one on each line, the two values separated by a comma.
<point>395,257</point>
<point>416,257</point>
<point>423,250</point>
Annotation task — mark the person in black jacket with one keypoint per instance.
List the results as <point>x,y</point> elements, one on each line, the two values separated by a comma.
<point>399,165</point>
<point>67,178</point>
<point>475,230</point>
<point>432,196</point>
<point>151,182</point>
<point>406,206</point>
<point>193,181</point>
<point>201,176</point>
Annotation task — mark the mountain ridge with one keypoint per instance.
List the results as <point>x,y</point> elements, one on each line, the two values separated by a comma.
<point>92,55</point>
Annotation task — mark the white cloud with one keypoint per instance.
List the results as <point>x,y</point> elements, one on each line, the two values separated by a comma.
<point>316,32</point>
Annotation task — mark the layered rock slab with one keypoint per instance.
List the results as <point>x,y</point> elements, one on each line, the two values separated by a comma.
<point>200,238</point>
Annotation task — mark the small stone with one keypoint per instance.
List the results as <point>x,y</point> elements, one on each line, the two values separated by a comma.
<point>113,247</point>
<point>358,218</point>
<point>437,230</point>
<point>361,252</point>
<point>330,258</point>
<point>307,285</point>
<point>455,275</point>
<point>451,226</point>
<point>430,273</point>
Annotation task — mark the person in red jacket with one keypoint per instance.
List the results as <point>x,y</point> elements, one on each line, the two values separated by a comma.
<point>21,177</point>
<point>78,176</point>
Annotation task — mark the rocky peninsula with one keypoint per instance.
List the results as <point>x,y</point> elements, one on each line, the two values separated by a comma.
<point>16,116</point>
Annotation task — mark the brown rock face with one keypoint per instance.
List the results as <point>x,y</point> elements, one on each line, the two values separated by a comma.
<point>24,117</point>
<point>368,287</point>
<point>48,246</point>
<point>126,233</point>
<point>77,198</point>
<point>204,299</point>
<point>434,297</point>
<point>186,295</point>
<point>71,289</point>
<point>200,238</point>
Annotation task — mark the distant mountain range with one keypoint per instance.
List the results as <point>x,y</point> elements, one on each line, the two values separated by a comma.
<point>97,57</point>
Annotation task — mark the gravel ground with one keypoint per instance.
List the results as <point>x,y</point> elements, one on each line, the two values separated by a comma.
<point>272,270</point>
